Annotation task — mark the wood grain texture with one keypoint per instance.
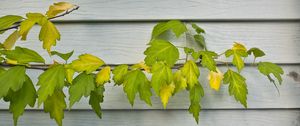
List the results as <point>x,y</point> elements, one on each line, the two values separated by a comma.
<point>161,118</point>
<point>262,94</point>
<point>125,42</point>
<point>133,10</point>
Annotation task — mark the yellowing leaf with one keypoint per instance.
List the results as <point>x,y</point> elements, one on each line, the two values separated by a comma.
<point>161,75</point>
<point>141,65</point>
<point>57,8</point>
<point>238,46</point>
<point>11,40</point>
<point>69,75</point>
<point>86,62</point>
<point>13,62</point>
<point>215,79</point>
<point>238,51</point>
<point>103,76</point>
<point>119,74</point>
<point>191,72</point>
<point>165,93</point>
<point>32,18</point>
<point>49,35</point>
<point>179,81</point>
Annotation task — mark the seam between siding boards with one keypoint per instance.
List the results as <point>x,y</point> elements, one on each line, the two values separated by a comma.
<point>184,20</point>
<point>241,109</point>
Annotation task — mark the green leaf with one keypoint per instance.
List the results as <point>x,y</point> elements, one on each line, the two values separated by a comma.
<point>161,76</point>
<point>268,68</point>
<point>188,50</point>
<point>96,98</point>
<point>199,39</point>
<point>237,86</point>
<point>12,79</point>
<point>49,81</point>
<point>64,56</point>
<point>161,50</point>
<point>176,26</point>
<point>208,60</point>
<point>11,40</point>
<point>191,73</point>
<point>135,81</point>
<point>256,52</point>
<point>197,28</point>
<point>82,85</point>
<point>196,94</point>
<point>23,55</point>
<point>238,51</point>
<point>8,21</point>
<point>119,73</point>
<point>55,105</point>
<point>49,35</point>
<point>87,63</point>
<point>27,24</point>
<point>21,98</point>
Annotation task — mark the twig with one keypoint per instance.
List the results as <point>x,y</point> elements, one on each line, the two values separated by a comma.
<point>17,24</point>
<point>176,66</point>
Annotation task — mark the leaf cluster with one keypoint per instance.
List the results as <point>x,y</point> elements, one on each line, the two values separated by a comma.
<point>87,75</point>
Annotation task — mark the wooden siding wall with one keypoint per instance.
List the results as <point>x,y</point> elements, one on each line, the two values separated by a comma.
<point>118,30</point>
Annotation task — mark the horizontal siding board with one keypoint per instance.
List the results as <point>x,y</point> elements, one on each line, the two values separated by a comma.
<point>103,10</point>
<point>262,94</point>
<point>125,42</point>
<point>161,118</point>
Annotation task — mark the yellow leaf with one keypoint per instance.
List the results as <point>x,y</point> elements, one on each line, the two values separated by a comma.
<point>11,40</point>
<point>69,75</point>
<point>141,65</point>
<point>215,79</point>
<point>57,8</point>
<point>13,62</point>
<point>86,62</point>
<point>103,76</point>
<point>165,93</point>
<point>238,46</point>
<point>49,35</point>
<point>191,73</point>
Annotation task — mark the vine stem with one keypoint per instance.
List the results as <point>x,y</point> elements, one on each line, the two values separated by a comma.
<point>17,24</point>
<point>46,66</point>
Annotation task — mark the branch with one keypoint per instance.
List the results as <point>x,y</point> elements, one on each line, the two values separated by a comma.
<point>176,66</point>
<point>17,24</point>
